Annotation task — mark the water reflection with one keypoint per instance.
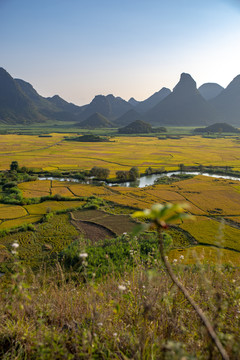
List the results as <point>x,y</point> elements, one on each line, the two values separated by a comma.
<point>146,180</point>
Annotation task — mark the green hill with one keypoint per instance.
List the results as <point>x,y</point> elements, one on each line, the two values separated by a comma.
<point>128,118</point>
<point>136,127</point>
<point>95,121</point>
<point>217,128</point>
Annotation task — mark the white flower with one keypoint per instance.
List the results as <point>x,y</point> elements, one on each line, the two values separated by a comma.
<point>181,257</point>
<point>83,255</point>
<point>100,324</point>
<point>114,334</point>
<point>14,252</point>
<point>174,260</point>
<point>122,287</point>
<point>15,245</point>
<point>125,233</point>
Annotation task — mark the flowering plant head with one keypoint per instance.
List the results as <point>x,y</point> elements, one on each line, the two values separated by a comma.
<point>163,214</point>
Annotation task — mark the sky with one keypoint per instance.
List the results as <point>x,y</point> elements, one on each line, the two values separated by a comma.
<point>129,48</point>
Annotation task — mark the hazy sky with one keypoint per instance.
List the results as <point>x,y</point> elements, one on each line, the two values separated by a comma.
<point>81,48</point>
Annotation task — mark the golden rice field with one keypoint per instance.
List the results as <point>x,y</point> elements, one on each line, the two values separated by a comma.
<point>209,199</point>
<point>119,154</point>
<point>204,255</point>
<point>47,206</point>
<point>29,219</point>
<point>11,211</point>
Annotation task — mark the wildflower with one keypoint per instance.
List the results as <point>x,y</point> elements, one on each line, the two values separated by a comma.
<point>181,257</point>
<point>14,252</point>
<point>15,245</point>
<point>174,260</point>
<point>114,334</point>
<point>122,287</point>
<point>100,324</point>
<point>83,255</point>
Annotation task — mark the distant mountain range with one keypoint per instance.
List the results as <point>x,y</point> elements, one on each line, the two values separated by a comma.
<point>184,106</point>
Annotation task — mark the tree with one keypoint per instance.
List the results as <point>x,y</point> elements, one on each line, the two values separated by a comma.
<point>182,167</point>
<point>14,166</point>
<point>122,175</point>
<point>134,173</point>
<point>99,172</point>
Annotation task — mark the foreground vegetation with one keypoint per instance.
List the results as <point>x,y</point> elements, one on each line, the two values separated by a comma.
<point>137,314</point>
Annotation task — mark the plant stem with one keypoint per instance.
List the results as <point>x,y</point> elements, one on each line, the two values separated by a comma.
<point>198,310</point>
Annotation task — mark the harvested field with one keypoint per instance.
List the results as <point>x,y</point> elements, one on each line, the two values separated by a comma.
<point>92,231</point>
<point>117,224</point>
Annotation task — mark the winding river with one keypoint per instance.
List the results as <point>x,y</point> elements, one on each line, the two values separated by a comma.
<point>145,180</point>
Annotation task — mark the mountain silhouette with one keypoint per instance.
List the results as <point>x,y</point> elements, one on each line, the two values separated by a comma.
<point>133,102</point>
<point>53,108</point>
<point>183,107</point>
<point>127,118</point>
<point>15,106</point>
<point>109,106</point>
<point>153,100</point>
<point>210,90</point>
<point>227,102</point>
<point>64,105</point>
<point>95,121</point>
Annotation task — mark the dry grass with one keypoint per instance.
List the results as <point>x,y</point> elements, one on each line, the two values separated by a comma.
<point>150,319</point>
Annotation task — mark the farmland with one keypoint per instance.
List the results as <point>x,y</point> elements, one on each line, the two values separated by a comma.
<point>121,153</point>
<point>215,203</point>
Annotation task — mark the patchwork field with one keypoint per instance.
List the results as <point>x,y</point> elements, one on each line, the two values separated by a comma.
<point>119,154</point>
<point>209,199</point>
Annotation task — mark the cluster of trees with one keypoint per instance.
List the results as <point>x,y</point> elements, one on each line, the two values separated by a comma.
<point>99,172</point>
<point>130,175</point>
<point>150,170</point>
